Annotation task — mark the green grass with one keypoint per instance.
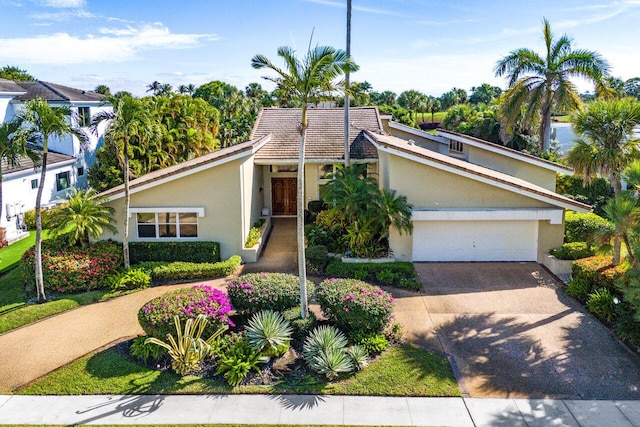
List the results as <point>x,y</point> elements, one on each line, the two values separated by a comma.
<point>561,119</point>
<point>400,371</point>
<point>184,425</point>
<point>15,311</point>
<point>437,117</point>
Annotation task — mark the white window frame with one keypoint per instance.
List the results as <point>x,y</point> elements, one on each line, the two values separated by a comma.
<point>177,210</point>
<point>81,118</point>
<point>68,181</point>
<point>456,147</point>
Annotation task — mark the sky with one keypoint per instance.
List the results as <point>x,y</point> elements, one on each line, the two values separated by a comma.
<point>430,46</point>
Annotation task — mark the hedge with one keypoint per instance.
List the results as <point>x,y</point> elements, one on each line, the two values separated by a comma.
<point>164,271</point>
<point>174,251</point>
<point>254,292</point>
<point>573,251</point>
<point>582,227</point>
<point>589,274</point>
<point>156,316</point>
<point>68,269</point>
<point>354,305</point>
<point>401,274</point>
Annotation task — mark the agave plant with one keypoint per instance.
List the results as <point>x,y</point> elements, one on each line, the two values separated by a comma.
<point>188,350</point>
<point>325,351</point>
<point>358,356</point>
<point>269,332</point>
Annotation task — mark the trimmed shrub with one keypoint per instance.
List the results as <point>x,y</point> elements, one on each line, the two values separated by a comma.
<point>573,251</point>
<point>401,274</point>
<point>134,278</point>
<point>598,271</point>
<point>156,316</point>
<point>317,258</point>
<point>166,271</point>
<point>301,327</point>
<point>255,292</point>
<point>583,227</point>
<point>174,251</point>
<point>68,269</point>
<point>353,305</point>
<point>371,342</point>
<point>254,234</point>
<point>602,303</point>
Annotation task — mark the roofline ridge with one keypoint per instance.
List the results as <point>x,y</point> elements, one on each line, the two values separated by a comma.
<point>47,85</point>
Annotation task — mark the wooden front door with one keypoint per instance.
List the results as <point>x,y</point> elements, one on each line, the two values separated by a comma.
<point>284,195</point>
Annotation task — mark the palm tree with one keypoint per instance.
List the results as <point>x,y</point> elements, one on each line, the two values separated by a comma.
<point>606,146</point>
<point>129,124</point>
<point>187,89</point>
<point>41,122</point>
<point>103,90</point>
<point>624,214</point>
<point>83,215</point>
<point>13,147</point>
<point>154,87</point>
<point>433,106</point>
<point>537,85</point>
<point>305,79</point>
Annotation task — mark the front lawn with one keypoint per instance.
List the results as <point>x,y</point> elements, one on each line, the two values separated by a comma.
<point>10,256</point>
<point>16,311</point>
<point>400,371</point>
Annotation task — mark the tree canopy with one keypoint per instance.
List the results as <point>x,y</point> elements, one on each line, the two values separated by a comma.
<point>16,74</point>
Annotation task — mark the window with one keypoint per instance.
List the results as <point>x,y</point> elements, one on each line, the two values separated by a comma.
<point>84,116</point>
<point>80,171</point>
<point>325,170</point>
<point>62,181</point>
<point>34,184</point>
<point>456,147</point>
<point>167,225</point>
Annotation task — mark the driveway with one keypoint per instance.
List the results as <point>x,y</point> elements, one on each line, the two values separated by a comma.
<point>512,332</point>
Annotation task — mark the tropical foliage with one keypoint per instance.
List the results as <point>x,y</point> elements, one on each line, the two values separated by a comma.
<point>538,85</point>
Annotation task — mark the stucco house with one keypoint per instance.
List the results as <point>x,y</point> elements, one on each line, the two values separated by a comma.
<point>473,200</point>
<point>67,163</point>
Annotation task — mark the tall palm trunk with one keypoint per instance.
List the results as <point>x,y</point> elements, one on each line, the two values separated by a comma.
<point>347,154</point>
<point>39,278</point>
<point>3,233</point>
<point>302,267</point>
<point>127,201</point>
<point>617,241</point>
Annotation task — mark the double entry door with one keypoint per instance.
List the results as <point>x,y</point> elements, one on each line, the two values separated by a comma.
<point>284,196</point>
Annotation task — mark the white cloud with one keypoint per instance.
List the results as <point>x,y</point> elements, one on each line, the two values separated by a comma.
<point>109,46</point>
<point>62,3</point>
<point>62,16</point>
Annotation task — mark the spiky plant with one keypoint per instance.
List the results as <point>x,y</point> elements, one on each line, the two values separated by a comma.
<point>188,350</point>
<point>331,362</point>
<point>269,332</point>
<point>359,357</point>
<point>325,351</point>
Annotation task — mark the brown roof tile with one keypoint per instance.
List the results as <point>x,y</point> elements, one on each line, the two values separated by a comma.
<point>402,145</point>
<point>325,135</point>
<point>10,86</point>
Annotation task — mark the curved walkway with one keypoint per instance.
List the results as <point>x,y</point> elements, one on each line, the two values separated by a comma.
<point>32,351</point>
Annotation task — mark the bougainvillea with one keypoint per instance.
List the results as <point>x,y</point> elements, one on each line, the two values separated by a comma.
<point>254,292</point>
<point>68,269</point>
<point>353,305</point>
<point>156,316</point>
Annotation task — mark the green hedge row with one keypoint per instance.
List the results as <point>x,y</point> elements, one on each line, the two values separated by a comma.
<point>174,251</point>
<point>164,271</point>
<point>401,274</point>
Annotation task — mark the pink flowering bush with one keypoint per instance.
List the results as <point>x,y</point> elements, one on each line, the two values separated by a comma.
<point>354,305</point>
<point>69,269</point>
<point>254,292</point>
<point>156,316</point>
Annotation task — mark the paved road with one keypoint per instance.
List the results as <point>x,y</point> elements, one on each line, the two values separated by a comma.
<point>513,333</point>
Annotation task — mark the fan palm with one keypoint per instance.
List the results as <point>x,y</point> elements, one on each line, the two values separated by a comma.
<point>83,215</point>
<point>129,124</point>
<point>537,85</point>
<point>41,122</point>
<point>624,214</point>
<point>305,79</point>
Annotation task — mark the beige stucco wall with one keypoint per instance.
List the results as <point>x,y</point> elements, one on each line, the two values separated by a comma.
<point>430,188</point>
<point>545,178</point>
<point>216,189</point>
<point>252,196</point>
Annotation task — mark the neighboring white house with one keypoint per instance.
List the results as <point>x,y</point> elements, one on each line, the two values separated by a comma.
<point>68,162</point>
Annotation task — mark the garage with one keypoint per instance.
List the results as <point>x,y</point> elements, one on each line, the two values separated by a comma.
<point>475,240</point>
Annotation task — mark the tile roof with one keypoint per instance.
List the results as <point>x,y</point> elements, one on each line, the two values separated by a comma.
<point>55,92</point>
<point>480,171</point>
<point>503,149</point>
<point>10,86</point>
<point>26,163</point>
<point>325,135</point>
<point>177,170</point>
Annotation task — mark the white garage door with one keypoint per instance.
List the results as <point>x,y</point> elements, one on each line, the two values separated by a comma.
<point>475,240</point>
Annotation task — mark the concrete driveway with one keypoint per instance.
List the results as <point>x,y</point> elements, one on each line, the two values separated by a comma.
<point>512,332</point>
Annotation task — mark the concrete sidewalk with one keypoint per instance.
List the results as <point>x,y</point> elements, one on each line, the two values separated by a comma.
<point>294,409</point>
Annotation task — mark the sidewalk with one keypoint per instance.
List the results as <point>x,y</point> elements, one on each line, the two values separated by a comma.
<point>281,409</point>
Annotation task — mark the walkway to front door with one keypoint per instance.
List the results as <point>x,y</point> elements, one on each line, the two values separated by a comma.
<point>280,253</point>
<point>284,196</point>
